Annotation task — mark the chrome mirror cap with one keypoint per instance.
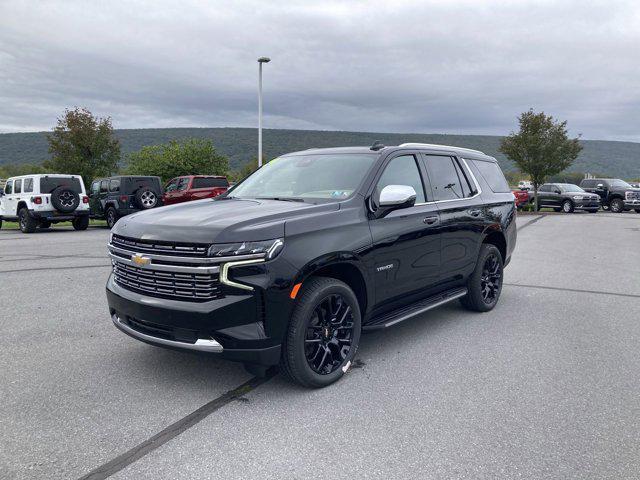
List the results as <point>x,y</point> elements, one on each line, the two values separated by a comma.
<point>396,195</point>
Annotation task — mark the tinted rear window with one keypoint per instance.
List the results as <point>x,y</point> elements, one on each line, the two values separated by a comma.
<point>493,176</point>
<point>49,184</point>
<point>133,184</point>
<point>209,183</point>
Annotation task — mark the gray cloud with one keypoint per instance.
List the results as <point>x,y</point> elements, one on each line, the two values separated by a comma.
<point>426,66</point>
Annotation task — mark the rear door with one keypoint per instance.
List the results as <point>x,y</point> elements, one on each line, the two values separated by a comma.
<point>462,215</point>
<point>406,242</point>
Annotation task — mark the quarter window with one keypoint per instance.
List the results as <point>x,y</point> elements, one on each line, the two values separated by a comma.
<point>403,170</point>
<point>494,177</point>
<point>28,185</point>
<point>447,179</point>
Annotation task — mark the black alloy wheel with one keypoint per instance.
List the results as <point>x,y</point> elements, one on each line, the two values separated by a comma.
<point>616,205</point>
<point>329,335</point>
<point>491,280</point>
<point>323,334</point>
<point>485,283</point>
<point>111,216</point>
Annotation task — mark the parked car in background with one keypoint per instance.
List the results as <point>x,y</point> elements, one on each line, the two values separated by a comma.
<point>633,184</point>
<point>615,194</point>
<point>311,249</point>
<point>114,197</point>
<point>42,200</point>
<point>194,187</point>
<point>525,185</point>
<point>567,197</point>
<point>522,197</point>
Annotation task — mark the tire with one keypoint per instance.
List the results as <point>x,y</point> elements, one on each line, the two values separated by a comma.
<point>65,200</point>
<point>27,223</point>
<point>146,198</point>
<point>616,205</point>
<point>312,337</point>
<point>475,299</point>
<point>637,210</point>
<point>111,216</point>
<point>44,224</point>
<point>80,223</point>
<point>567,206</point>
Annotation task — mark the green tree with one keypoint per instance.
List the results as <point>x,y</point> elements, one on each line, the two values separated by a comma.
<point>541,148</point>
<point>84,145</point>
<point>193,156</point>
<point>14,170</point>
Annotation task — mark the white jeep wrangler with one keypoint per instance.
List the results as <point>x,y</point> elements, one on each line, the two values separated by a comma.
<point>41,200</point>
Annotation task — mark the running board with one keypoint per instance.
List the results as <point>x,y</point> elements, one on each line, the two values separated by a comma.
<point>397,316</point>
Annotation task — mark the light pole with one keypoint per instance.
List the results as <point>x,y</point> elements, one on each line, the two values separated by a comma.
<point>261,60</point>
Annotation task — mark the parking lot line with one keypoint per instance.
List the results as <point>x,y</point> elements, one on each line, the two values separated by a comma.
<point>562,289</point>
<point>21,270</point>
<point>173,430</point>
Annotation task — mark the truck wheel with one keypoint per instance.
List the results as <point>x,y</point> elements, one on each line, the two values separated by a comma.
<point>146,198</point>
<point>485,283</point>
<point>27,224</point>
<point>567,206</point>
<point>616,205</point>
<point>80,223</point>
<point>323,333</point>
<point>112,217</point>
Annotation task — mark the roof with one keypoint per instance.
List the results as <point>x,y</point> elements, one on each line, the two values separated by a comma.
<point>413,146</point>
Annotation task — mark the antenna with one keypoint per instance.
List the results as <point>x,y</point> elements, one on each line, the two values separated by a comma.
<point>377,145</point>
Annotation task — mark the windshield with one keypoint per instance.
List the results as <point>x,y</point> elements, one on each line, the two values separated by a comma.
<point>620,184</point>
<point>307,177</point>
<point>568,187</point>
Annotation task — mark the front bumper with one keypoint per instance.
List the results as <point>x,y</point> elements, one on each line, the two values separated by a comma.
<point>634,203</point>
<point>233,327</point>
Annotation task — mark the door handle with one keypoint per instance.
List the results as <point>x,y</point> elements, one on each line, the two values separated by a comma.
<point>430,220</point>
<point>475,212</point>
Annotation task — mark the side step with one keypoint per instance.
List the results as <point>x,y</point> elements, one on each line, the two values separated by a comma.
<point>397,316</point>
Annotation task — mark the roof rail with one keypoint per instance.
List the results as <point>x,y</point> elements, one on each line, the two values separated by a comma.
<point>432,145</point>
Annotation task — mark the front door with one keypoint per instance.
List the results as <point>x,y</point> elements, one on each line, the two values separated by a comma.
<point>9,202</point>
<point>406,242</point>
<point>94,199</point>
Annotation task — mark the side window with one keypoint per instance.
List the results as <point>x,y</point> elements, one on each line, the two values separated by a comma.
<point>95,187</point>
<point>444,174</point>
<point>8,188</point>
<point>18,186</point>
<point>114,185</point>
<point>464,179</point>
<point>28,185</point>
<point>403,171</point>
<point>171,186</point>
<point>492,174</point>
<point>182,184</point>
<point>103,186</point>
<point>588,184</point>
<point>543,188</point>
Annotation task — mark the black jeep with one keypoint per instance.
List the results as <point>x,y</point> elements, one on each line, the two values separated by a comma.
<point>114,197</point>
<point>616,194</point>
<point>294,262</point>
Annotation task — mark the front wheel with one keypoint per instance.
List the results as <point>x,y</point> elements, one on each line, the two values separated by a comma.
<point>485,283</point>
<point>323,334</point>
<point>616,205</point>
<point>567,206</point>
<point>80,223</point>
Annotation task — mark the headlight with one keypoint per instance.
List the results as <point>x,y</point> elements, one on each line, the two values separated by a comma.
<point>269,248</point>
<point>577,197</point>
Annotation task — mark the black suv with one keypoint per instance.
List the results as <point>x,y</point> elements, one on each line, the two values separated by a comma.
<point>290,265</point>
<point>114,197</point>
<point>616,194</point>
<point>567,197</point>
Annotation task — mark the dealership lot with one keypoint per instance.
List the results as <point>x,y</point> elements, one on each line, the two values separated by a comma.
<point>547,385</point>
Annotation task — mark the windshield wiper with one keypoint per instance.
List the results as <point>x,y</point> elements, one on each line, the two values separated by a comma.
<point>282,199</point>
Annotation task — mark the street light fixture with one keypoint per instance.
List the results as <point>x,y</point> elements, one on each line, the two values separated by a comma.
<point>261,60</point>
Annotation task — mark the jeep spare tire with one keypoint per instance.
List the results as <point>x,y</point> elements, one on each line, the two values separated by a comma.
<point>64,199</point>
<point>146,198</point>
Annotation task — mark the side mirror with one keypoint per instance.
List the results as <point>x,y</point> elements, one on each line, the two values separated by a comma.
<point>394,197</point>
<point>557,191</point>
<point>600,186</point>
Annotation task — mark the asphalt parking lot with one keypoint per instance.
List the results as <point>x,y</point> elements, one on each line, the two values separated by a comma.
<point>545,386</point>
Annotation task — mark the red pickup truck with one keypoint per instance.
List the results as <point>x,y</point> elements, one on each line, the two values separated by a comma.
<point>194,187</point>
<point>522,197</point>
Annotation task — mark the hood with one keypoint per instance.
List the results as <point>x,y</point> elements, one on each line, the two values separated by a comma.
<point>216,221</point>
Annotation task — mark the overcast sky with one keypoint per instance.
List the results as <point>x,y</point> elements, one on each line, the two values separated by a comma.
<point>467,67</point>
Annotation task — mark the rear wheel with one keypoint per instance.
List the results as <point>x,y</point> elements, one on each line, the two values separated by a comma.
<point>112,217</point>
<point>27,223</point>
<point>146,198</point>
<point>567,206</point>
<point>616,205</point>
<point>323,334</point>
<point>80,223</point>
<point>485,284</point>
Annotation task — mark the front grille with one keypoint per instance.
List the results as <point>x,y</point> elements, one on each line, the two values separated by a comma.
<point>199,287</point>
<point>633,195</point>
<point>159,247</point>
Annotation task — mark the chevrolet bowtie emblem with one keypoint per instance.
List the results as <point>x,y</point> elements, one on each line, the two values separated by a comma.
<point>140,260</point>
